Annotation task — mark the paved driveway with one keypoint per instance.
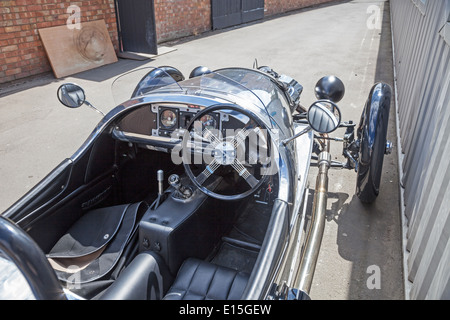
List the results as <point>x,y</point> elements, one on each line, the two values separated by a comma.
<point>361,252</point>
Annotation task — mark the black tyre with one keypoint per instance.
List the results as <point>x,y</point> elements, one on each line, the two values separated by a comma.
<point>372,134</point>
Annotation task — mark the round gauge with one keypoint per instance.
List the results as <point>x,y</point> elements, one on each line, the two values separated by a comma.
<point>208,122</point>
<point>168,118</point>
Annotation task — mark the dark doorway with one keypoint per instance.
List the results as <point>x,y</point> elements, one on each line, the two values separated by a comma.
<point>227,13</point>
<point>136,26</point>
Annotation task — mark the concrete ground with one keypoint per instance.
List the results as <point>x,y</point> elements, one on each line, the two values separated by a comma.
<point>361,256</point>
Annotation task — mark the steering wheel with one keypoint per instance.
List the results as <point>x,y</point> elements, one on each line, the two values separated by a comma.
<point>225,151</point>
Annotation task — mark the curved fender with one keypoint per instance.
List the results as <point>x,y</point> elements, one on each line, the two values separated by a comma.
<point>173,72</point>
<point>157,78</point>
<point>30,260</point>
<point>377,109</point>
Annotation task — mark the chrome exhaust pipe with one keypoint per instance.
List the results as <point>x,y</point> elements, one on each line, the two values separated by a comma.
<point>305,272</point>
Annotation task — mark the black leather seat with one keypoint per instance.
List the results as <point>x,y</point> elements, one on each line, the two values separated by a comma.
<point>146,278</point>
<point>201,280</point>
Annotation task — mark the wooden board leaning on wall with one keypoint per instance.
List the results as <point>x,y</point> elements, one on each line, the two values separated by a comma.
<point>73,50</point>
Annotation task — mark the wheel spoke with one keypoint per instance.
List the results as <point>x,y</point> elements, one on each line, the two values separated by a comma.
<point>240,137</point>
<point>211,137</point>
<point>244,173</point>
<point>198,145</point>
<point>209,170</point>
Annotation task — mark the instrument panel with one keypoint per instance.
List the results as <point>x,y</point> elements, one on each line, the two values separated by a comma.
<point>162,125</point>
<point>171,118</point>
<point>165,120</point>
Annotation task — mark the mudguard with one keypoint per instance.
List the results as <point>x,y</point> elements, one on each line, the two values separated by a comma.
<point>372,133</point>
<point>19,248</point>
<point>157,78</point>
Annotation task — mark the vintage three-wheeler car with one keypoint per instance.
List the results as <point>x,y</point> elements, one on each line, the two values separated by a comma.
<point>193,188</point>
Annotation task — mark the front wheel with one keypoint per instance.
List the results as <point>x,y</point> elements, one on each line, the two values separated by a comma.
<point>372,133</point>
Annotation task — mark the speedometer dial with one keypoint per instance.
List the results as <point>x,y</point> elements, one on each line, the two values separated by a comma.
<point>208,121</point>
<point>168,119</point>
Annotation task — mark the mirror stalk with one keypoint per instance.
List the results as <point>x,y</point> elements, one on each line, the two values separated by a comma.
<point>286,141</point>
<point>92,107</point>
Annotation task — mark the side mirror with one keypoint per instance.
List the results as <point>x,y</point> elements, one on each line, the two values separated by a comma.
<point>324,116</point>
<point>330,88</point>
<point>71,95</point>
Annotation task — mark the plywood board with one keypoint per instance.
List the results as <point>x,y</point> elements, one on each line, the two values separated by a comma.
<point>74,50</point>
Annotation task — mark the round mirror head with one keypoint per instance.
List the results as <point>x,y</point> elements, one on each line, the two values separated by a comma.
<point>330,88</point>
<point>71,95</point>
<point>324,116</point>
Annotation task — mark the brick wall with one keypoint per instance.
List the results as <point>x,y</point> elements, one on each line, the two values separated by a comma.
<point>272,7</point>
<point>21,51</point>
<point>180,18</point>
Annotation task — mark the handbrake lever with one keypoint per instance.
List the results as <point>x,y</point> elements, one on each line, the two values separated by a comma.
<point>160,198</point>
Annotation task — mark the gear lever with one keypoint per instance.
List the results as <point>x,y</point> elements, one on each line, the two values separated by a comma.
<point>174,181</point>
<point>181,192</point>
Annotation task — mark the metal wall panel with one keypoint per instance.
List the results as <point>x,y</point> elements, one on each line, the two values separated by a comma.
<point>422,64</point>
<point>136,24</point>
<point>227,13</point>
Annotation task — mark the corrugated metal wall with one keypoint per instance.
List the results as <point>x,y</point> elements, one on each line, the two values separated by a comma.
<point>420,36</point>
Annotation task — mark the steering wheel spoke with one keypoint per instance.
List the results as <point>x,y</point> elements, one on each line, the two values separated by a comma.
<point>244,173</point>
<point>209,170</point>
<point>240,137</point>
<point>211,137</point>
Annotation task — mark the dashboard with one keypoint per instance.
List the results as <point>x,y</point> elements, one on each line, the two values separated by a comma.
<point>161,127</point>
<point>163,124</point>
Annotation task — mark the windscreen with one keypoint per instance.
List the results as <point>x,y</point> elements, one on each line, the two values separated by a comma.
<point>248,88</point>
<point>140,82</point>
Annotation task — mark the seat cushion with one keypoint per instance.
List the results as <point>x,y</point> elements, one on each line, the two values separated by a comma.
<point>201,280</point>
<point>93,245</point>
<point>146,278</point>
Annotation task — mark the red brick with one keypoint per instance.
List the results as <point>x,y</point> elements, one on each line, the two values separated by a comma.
<point>10,48</point>
<point>15,41</point>
<point>7,3</point>
<point>9,54</point>
<point>12,29</point>
<point>5,36</point>
<point>172,19</point>
<point>19,9</point>
<point>11,72</point>
<point>34,7</point>
<point>42,25</point>
<point>279,6</point>
<point>12,60</point>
